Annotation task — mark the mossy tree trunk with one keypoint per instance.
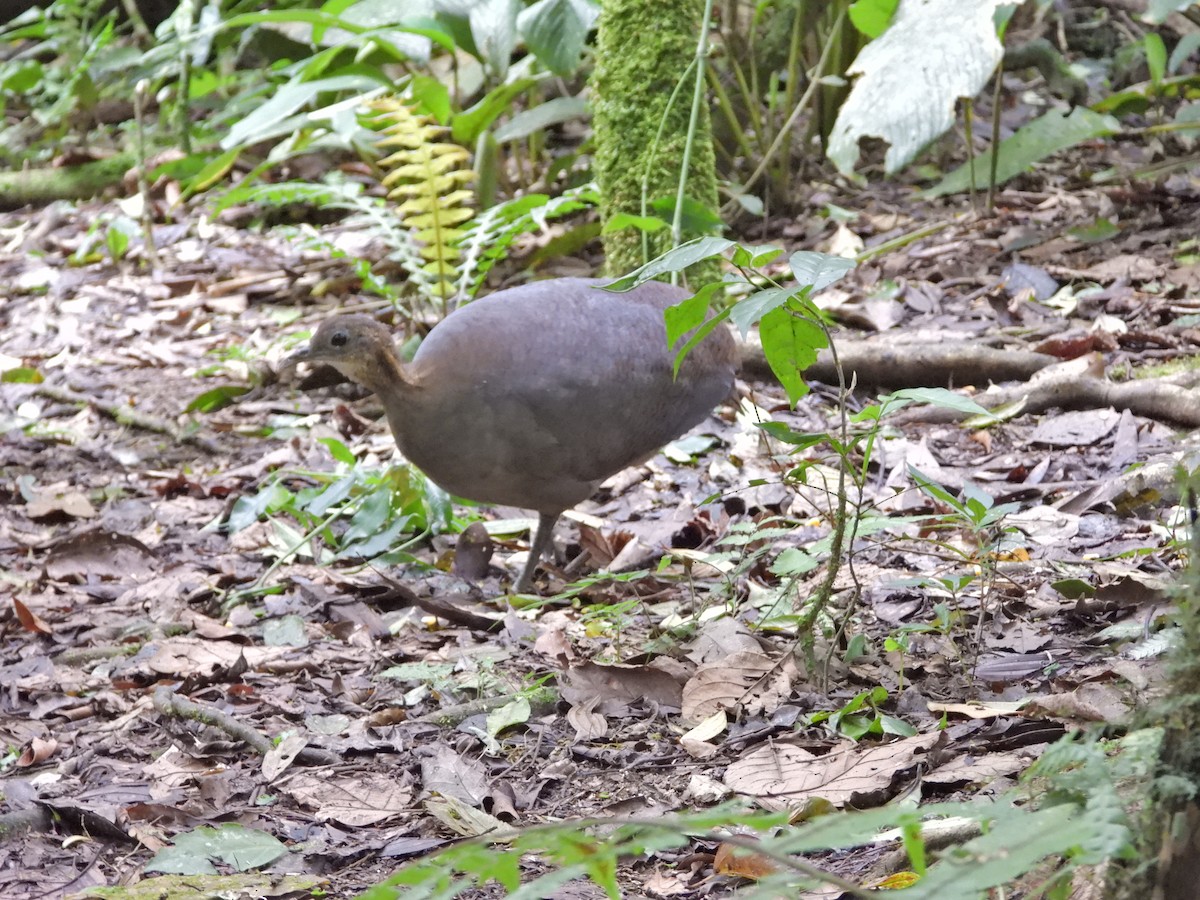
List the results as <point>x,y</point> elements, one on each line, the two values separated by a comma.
<point>643,50</point>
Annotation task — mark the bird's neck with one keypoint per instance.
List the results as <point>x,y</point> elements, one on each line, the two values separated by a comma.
<point>379,371</point>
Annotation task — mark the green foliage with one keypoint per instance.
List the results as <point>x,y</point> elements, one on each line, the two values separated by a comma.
<point>862,716</point>
<point>1013,840</point>
<point>356,513</point>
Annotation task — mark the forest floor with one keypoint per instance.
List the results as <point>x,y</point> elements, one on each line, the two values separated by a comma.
<point>135,571</point>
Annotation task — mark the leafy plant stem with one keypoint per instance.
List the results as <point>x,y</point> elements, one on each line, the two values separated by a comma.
<point>903,240</point>
<point>969,133</point>
<point>185,20</point>
<point>697,99</point>
<point>139,115</point>
<point>840,521</point>
<point>991,194</point>
<point>644,209</point>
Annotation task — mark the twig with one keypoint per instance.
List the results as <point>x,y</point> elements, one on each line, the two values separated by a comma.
<point>171,704</point>
<point>125,415</point>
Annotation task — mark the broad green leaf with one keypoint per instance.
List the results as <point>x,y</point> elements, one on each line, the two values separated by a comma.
<point>494,31</point>
<point>334,494</point>
<point>1035,142</point>
<point>790,344</point>
<point>556,31</point>
<point>752,308</point>
<point>466,127</point>
<point>688,314</point>
<point>676,260</point>
<point>628,220</point>
<point>515,712</point>
<point>696,219</point>
<point>755,257</point>
<point>911,77</point>
<point>818,270</point>
<point>236,846</point>
<point>939,397</point>
<point>338,450</point>
<point>697,336</point>
<point>431,96</point>
<point>872,17</point>
<point>21,375</point>
<point>541,117</point>
<point>217,398</point>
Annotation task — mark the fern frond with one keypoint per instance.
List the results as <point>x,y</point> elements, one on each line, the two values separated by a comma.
<point>487,239</point>
<point>428,175</point>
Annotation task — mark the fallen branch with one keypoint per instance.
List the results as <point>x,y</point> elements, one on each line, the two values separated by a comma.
<point>875,364</point>
<point>175,706</point>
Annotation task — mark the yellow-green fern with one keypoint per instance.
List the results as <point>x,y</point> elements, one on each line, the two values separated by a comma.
<point>429,177</point>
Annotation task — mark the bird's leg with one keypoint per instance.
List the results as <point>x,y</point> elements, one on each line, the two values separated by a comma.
<point>541,541</point>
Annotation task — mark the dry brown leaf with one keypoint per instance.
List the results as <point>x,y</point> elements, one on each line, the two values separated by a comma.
<point>783,774</point>
<point>747,679</point>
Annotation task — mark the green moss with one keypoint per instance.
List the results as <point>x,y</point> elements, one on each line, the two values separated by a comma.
<point>643,49</point>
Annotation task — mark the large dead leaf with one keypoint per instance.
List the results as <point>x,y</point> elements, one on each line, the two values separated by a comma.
<point>747,680</point>
<point>783,774</point>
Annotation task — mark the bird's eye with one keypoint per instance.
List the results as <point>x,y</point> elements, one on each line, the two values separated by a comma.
<point>339,339</point>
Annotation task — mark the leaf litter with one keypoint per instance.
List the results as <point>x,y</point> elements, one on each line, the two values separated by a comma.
<point>672,690</point>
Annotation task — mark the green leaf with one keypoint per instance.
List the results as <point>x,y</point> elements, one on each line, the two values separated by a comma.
<point>649,224</point>
<point>339,451</point>
<point>466,127</point>
<point>696,219</point>
<point>940,397</point>
<point>556,31</point>
<point>494,32</point>
<point>541,117</point>
<point>431,96</point>
<point>236,846</point>
<point>1158,10</point>
<point>818,270</point>
<point>697,336</point>
<point>1073,588</point>
<point>21,375</point>
<point>378,543</point>
<point>1038,140</point>
<point>872,17</point>
<point>755,257</point>
<point>1184,50</point>
<point>781,432</point>
<point>676,260</point>
<point>1156,56</point>
<point>790,344</point>
<point>217,398</point>
<point>371,516</point>
<point>334,494</point>
<point>515,712</point>
<point>688,314</point>
<point>23,78</point>
<point>1101,229</point>
<point>752,308</point>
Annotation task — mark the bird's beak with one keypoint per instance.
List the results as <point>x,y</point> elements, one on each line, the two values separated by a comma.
<point>287,365</point>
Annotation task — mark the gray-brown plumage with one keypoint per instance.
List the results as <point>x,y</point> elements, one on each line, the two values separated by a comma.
<point>532,396</point>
